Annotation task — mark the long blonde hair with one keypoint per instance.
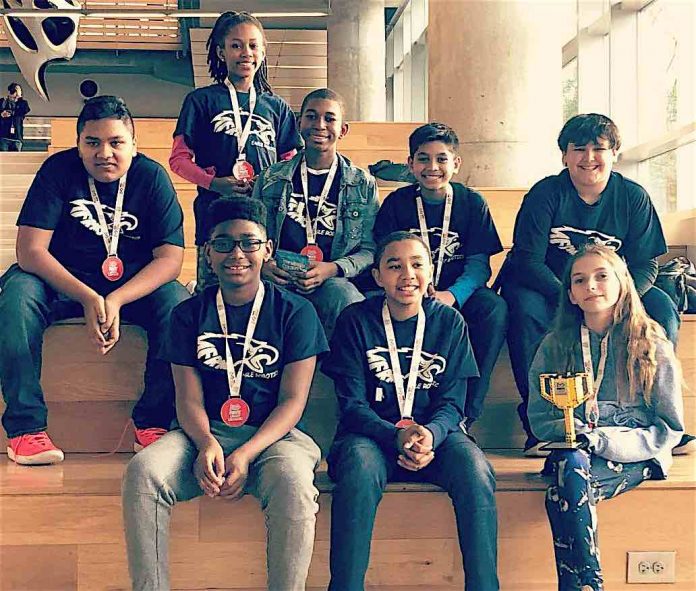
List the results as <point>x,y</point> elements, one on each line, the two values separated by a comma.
<point>640,332</point>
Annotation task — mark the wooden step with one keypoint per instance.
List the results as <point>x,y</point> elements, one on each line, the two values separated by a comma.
<point>61,529</point>
<point>90,396</point>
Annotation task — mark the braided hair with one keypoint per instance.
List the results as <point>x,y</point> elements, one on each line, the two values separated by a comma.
<point>217,66</point>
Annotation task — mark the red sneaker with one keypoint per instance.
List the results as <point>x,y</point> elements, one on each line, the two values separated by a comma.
<point>145,437</point>
<point>33,449</point>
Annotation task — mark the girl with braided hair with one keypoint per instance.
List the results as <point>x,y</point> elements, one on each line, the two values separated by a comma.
<point>230,131</point>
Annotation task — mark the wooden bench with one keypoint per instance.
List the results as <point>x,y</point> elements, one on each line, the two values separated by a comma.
<point>61,529</point>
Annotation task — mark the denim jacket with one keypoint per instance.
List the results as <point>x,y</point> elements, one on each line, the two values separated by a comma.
<point>353,245</point>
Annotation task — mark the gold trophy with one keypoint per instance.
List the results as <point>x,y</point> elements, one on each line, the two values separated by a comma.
<point>566,392</point>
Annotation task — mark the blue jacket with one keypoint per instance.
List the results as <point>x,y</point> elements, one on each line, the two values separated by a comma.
<point>353,245</point>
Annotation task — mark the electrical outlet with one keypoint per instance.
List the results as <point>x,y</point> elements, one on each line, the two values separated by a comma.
<point>652,567</point>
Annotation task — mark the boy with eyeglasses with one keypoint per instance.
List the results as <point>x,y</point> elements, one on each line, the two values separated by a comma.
<point>243,355</point>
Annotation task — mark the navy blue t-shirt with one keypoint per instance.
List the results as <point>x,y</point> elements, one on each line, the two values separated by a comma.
<point>59,200</point>
<point>359,354</point>
<point>293,236</point>
<point>471,229</point>
<point>207,123</point>
<point>554,222</point>
<point>288,330</point>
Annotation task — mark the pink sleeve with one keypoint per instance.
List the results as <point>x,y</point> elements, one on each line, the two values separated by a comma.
<point>181,162</point>
<point>288,155</point>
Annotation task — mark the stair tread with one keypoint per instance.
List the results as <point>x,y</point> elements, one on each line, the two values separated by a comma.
<point>92,474</point>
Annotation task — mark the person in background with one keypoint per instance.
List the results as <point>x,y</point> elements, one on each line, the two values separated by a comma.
<point>13,110</point>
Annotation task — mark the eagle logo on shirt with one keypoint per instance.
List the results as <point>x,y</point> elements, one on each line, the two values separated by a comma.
<point>261,127</point>
<point>297,211</point>
<point>260,354</point>
<point>85,211</point>
<point>569,239</point>
<point>431,364</point>
<point>451,246</point>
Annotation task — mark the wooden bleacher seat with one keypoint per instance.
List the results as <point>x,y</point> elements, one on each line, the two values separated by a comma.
<point>71,513</point>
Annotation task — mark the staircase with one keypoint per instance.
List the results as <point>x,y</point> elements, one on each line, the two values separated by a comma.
<point>17,170</point>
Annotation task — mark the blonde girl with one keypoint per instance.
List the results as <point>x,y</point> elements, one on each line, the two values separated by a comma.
<point>633,419</point>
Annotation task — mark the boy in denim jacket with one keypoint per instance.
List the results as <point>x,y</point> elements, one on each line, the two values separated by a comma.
<point>321,206</point>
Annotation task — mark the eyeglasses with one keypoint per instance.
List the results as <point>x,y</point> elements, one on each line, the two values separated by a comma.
<point>224,244</point>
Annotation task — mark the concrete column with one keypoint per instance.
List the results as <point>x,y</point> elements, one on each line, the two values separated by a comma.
<point>356,57</point>
<point>495,76</point>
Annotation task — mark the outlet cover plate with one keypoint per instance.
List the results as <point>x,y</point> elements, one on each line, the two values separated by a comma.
<point>652,567</point>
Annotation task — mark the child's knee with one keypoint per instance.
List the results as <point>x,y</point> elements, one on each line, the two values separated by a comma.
<point>291,491</point>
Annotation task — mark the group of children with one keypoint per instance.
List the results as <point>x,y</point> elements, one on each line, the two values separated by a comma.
<point>284,225</point>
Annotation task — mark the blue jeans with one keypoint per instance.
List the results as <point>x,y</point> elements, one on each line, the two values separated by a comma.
<point>486,315</point>
<point>531,317</point>
<point>281,478</point>
<point>28,305</point>
<point>361,470</point>
<point>581,480</point>
<point>330,299</point>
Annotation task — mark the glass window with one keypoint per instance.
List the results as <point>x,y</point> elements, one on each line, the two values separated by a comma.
<point>665,67</point>
<point>659,177</point>
<point>569,79</point>
<point>669,178</point>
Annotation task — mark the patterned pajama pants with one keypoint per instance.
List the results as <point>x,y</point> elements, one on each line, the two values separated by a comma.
<point>580,481</point>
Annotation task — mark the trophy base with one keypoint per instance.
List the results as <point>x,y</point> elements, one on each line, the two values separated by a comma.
<point>559,445</point>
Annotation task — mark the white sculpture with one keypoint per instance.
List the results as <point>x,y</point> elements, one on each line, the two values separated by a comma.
<point>37,40</point>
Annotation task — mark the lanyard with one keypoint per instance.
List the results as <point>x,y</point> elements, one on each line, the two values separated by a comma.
<point>234,379</point>
<point>242,133</point>
<point>592,406</point>
<point>111,243</point>
<point>406,398</point>
<point>447,215</point>
<point>311,228</point>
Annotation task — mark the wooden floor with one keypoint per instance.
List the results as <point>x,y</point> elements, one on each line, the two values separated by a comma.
<point>61,529</point>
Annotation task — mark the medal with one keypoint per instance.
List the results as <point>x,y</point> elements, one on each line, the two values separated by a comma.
<point>112,268</point>
<point>404,397</point>
<point>242,170</point>
<point>234,412</point>
<point>405,422</point>
<point>313,253</point>
<point>447,215</point>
